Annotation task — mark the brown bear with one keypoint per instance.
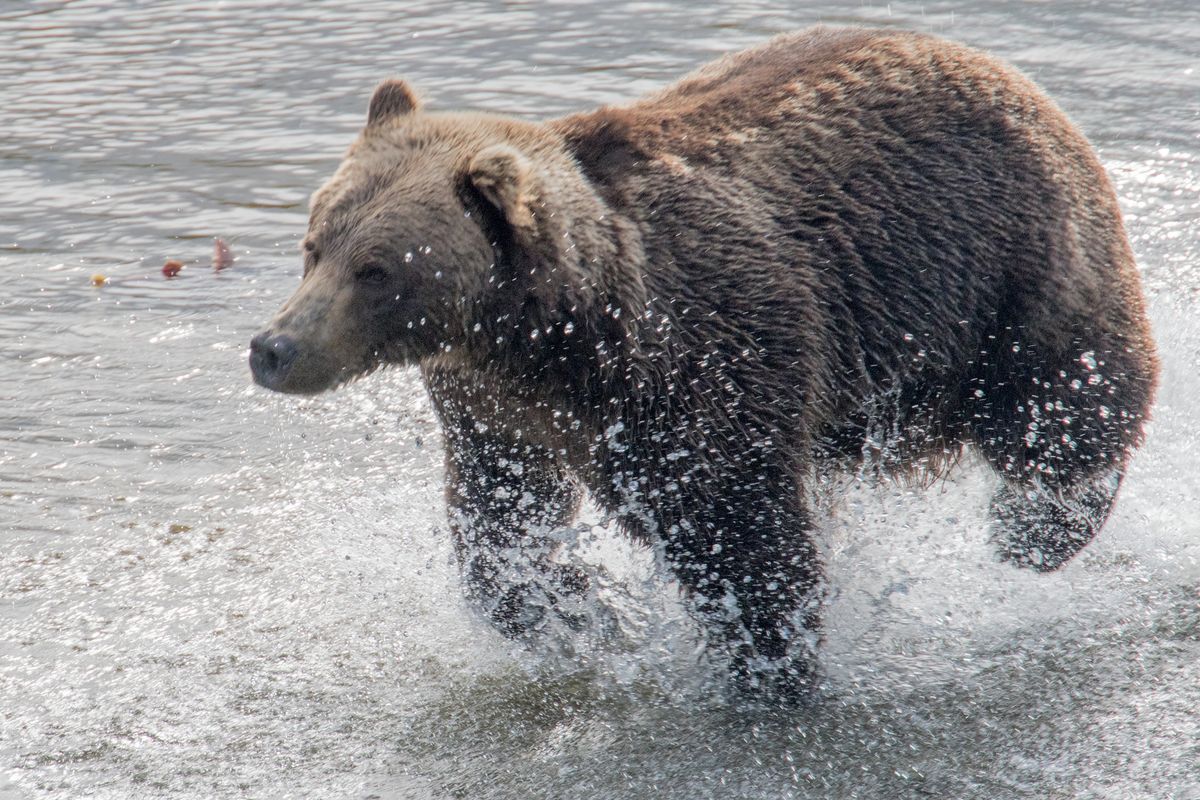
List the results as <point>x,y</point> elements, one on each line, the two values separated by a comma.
<point>843,249</point>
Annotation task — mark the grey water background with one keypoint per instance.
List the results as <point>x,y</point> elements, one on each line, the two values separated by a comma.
<point>210,591</point>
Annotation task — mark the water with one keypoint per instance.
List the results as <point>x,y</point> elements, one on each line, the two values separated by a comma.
<point>207,590</point>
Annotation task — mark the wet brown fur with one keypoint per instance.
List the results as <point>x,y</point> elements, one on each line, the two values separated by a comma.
<point>843,247</point>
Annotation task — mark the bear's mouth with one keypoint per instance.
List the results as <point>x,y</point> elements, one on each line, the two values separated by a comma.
<point>284,364</point>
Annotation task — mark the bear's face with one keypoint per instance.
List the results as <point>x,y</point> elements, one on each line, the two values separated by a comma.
<point>392,267</point>
<point>398,256</point>
<point>449,233</point>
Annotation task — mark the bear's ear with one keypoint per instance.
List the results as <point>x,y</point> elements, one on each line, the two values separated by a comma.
<point>505,178</point>
<point>392,98</point>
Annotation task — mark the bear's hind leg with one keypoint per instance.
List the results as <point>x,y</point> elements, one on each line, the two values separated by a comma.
<point>1043,528</point>
<point>1058,429</point>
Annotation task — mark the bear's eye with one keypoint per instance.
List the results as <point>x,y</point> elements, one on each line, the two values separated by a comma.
<point>372,275</point>
<point>311,256</point>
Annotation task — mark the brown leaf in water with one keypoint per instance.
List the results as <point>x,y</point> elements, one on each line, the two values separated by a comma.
<point>223,257</point>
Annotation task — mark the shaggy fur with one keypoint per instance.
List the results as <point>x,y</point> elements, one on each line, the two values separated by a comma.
<point>841,249</point>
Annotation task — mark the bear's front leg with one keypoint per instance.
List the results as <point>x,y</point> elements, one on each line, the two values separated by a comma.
<point>505,499</point>
<point>753,574</point>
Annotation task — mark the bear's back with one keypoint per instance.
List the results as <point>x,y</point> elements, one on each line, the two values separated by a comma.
<point>851,81</point>
<point>911,200</point>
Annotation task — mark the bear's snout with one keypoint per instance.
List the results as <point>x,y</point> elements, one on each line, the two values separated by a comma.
<point>271,358</point>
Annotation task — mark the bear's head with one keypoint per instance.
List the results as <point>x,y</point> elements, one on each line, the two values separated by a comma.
<point>437,233</point>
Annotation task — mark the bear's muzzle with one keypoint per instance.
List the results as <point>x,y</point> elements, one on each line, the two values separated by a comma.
<point>271,359</point>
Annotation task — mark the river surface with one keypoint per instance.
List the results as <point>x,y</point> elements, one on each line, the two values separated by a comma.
<point>211,591</point>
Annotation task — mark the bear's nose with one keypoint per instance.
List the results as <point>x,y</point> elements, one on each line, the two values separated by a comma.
<point>271,358</point>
